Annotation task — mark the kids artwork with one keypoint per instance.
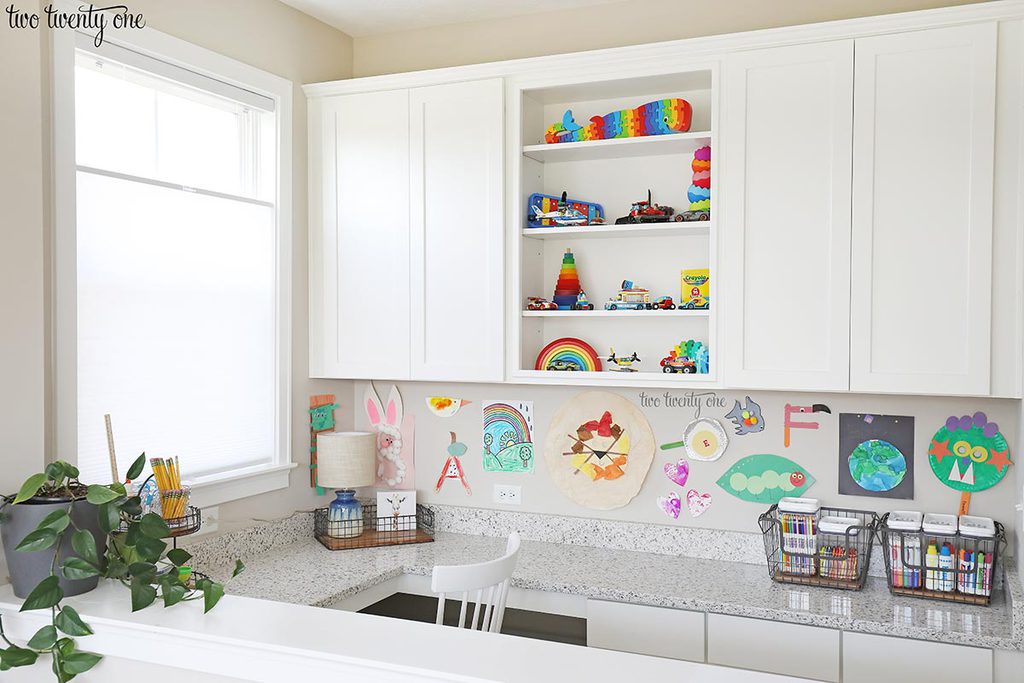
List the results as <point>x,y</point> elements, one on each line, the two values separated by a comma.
<point>661,117</point>
<point>697,503</point>
<point>445,406</point>
<point>452,468</point>
<point>747,418</point>
<point>395,463</point>
<point>704,440</point>
<point>677,472</point>
<point>396,510</point>
<point>321,419</point>
<point>876,455</point>
<point>598,450</point>
<point>969,454</point>
<point>508,436</point>
<point>670,504</point>
<point>789,423</point>
<point>765,478</point>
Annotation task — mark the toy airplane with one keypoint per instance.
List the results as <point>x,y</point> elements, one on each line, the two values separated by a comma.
<point>622,364</point>
<point>563,215</point>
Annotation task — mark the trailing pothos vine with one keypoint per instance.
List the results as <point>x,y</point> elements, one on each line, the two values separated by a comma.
<point>136,555</point>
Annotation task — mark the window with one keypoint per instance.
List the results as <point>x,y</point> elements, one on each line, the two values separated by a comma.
<point>180,262</point>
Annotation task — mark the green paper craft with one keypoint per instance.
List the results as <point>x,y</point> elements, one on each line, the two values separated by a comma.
<point>969,453</point>
<point>765,478</point>
<point>322,417</point>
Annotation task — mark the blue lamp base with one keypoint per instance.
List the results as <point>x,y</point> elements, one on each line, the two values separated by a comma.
<point>345,517</point>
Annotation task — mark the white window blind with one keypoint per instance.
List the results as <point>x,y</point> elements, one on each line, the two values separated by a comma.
<point>177,322</point>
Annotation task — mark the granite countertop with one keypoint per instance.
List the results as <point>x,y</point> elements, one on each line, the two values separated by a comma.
<point>307,573</point>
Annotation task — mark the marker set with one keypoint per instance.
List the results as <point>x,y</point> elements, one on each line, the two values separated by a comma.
<point>941,556</point>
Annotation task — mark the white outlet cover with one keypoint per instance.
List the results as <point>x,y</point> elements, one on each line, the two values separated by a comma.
<point>505,494</point>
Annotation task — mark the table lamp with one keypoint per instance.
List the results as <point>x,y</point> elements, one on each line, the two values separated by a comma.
<point>345,461</point>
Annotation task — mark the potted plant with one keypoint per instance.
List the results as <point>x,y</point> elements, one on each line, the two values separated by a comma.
<point>73,535</point>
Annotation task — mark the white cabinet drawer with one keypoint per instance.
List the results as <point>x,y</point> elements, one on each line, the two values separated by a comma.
<point>881,659</point>
<point>774,647</point>
<point>658,631</point>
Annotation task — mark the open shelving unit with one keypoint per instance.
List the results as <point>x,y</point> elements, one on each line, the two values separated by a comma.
<point>613,173</point>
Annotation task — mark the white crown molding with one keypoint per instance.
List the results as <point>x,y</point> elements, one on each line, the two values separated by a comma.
<point>689,49</point>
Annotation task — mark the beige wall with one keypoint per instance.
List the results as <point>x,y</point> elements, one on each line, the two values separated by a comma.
<point>623,23</point>
<point>263,33</point>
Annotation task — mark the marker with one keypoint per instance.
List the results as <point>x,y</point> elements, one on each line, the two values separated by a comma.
<point>931,560</point>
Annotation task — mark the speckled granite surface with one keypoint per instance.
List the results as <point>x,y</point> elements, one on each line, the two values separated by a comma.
<point>307,573</point>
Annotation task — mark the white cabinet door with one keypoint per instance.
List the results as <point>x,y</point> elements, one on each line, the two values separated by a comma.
<point>774,647</point>
<point>457,132</point>
<point>359,236</point>
<point>658,631</point>
<point>924,113</point>
<point>785,260</point>
<point>881,659</point>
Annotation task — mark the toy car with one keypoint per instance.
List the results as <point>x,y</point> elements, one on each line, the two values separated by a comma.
<point>648,212</point>
<point>678,364</point>
<point>629,298</point>
<point>536,303</point>
<point>563,365</point>
<point>664,303</point>
<point>696,303</point>
<point>581,302</point>
<point>701,215</point>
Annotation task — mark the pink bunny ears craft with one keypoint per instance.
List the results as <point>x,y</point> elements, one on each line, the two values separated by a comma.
<point>392,435</point>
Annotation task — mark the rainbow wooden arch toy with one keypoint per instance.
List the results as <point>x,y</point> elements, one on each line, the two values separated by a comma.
<point>568,353</point>
<point>661,117</point>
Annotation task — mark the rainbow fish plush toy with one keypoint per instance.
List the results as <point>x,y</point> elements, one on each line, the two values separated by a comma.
<point>660,117</point>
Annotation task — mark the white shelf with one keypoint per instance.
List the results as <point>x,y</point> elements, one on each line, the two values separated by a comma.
<point>671,229</point>
<point>618,148</point>
<point>607,377</point>
<point>601,313</point>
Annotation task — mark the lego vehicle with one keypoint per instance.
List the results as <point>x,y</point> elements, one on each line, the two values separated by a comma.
<point>671,364</point>
<point>648,212</point>
<point>582,304</point>
<point>696,303</point>
<point>664,303</point>
<point>629,298</point>
<point>622,364</point>
<point>689,216</point>
<point>536,303</point>
<point>563,365</point>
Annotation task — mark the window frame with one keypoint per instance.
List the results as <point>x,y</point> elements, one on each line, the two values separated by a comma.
<point>226,486</point>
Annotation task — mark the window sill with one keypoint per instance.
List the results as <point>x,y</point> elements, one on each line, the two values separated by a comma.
<point>230,486</point>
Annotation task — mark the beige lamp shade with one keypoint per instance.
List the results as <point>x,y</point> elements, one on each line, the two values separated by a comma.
<point>346,460</point>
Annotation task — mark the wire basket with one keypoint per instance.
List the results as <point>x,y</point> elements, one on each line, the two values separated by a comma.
<point>970,579</point>
<point>372,531</point>
<point>799,552</point>
<point>189,524</point>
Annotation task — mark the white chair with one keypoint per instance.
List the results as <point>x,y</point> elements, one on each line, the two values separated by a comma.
<point>493,577</point>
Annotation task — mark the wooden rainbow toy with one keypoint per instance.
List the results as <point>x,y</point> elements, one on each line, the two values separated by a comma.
<point>568,353</point>
<point>661,117</point>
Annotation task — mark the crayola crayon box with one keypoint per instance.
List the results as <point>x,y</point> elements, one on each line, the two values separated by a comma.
<point>694,287</point>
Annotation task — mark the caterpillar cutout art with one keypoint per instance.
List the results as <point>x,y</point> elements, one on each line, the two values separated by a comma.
<point>660,117</point>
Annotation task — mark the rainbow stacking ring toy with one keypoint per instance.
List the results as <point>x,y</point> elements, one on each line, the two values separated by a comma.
<point>568,353</point>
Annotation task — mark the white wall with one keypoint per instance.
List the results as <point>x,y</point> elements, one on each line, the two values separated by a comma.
<point>817,450</point>
<point>630,22</point>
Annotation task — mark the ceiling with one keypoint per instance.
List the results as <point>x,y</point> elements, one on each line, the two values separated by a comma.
<point>368,17</point>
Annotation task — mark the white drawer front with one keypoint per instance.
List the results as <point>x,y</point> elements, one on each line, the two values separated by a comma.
<point>673,633</point>
<point>774,647</point>
<point>881,659</point>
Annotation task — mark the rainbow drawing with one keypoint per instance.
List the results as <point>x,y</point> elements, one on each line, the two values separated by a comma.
<point>568,353</point>
<point>508,445</point>
<point>660,117</point>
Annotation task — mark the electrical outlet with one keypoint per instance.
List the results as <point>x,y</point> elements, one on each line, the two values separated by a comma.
<point>508,495</point>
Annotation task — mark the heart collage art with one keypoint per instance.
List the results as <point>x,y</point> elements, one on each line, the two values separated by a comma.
<point>697,503</point>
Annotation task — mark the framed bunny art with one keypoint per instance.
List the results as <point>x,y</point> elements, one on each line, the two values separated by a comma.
<point>395,442</point>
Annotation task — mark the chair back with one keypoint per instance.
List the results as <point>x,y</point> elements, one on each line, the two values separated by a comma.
<point>490,580</point>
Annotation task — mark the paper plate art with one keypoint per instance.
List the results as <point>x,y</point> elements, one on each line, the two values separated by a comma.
<point>765,478</point>
<point>969,453</point>
<point>704,440</point>
<point>508,436</point>
<point>598,450</point>
<point>395,442</point>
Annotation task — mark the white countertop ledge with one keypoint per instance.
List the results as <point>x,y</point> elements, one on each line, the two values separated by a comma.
<point>261,640</point>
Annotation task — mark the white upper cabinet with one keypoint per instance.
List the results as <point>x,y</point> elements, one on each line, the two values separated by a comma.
<point>457,135</point>
<point>785,200</point>
<point>359,236</point>
<point>924,115</point>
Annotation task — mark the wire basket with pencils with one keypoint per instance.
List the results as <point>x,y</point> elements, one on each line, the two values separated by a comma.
<point>181,517</point>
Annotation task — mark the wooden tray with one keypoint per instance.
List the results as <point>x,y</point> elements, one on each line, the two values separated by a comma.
<point>371,538</point>
<point>944,596</point>
<point>815,580</point>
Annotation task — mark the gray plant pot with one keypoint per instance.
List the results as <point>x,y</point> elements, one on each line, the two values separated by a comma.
<point>28,569</point>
